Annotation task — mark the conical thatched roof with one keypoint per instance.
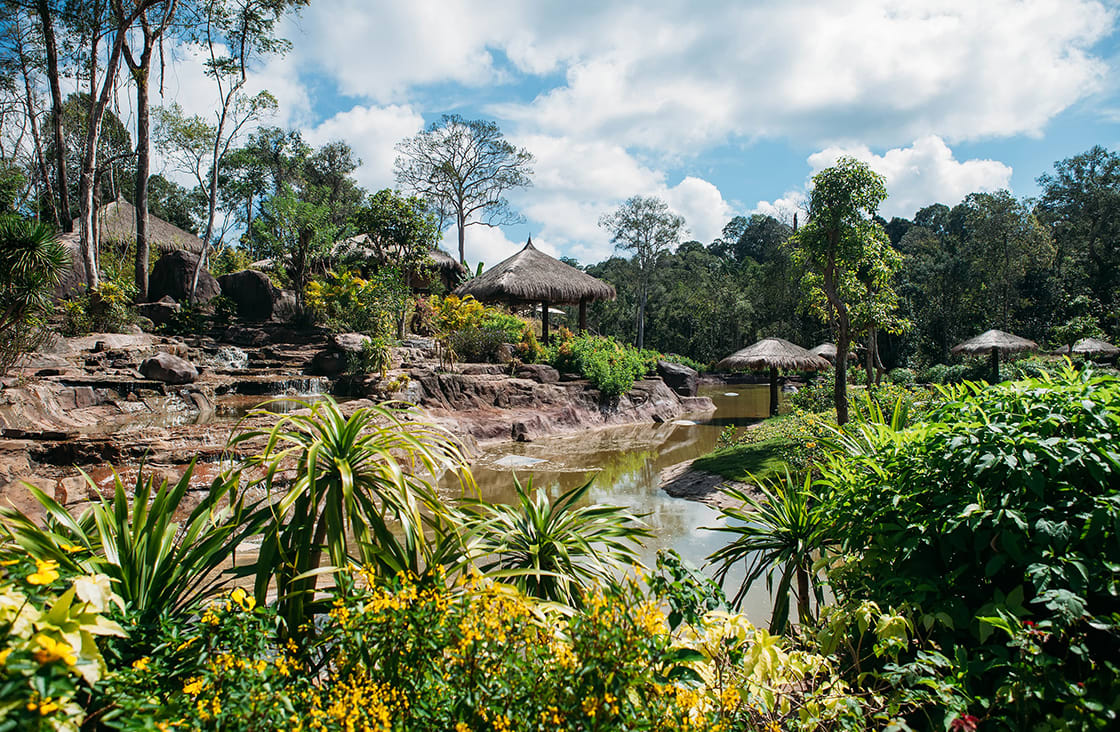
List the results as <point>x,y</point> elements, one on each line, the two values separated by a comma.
<point>533,276</point>
<point>117,220</point>
<point>995,340</point>
<point>828,351</point>
<point>1092,347</point>
<point>774,353</point>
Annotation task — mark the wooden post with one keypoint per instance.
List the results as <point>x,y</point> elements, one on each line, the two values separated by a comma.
<point>995,365</point>
<point>544,321</point>
<point>583,316</point>
<point>773,391</point>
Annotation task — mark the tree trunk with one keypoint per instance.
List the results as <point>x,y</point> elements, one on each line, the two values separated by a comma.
<point>36,134</point>
<point>773,391</point>
<point>461,221</point>
<point>869,360</point>
<point>803,609</point>
<point>66,221</point>
<point>642,318</point>
<point>143,170</point>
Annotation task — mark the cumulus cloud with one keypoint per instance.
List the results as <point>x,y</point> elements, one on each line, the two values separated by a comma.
<point>924,173</point>
<point>372,132</point>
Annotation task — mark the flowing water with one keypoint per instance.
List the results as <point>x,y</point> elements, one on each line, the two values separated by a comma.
<point>625,463</point>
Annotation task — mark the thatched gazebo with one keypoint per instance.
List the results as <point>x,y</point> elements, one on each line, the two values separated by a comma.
<point>1092,347</point>
<point>774,354</point>
<point>531,277</point>
<point>994,342</point>
<point>827,351</point>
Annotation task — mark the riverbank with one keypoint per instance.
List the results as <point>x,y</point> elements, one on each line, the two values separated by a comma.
<point>95,402</point>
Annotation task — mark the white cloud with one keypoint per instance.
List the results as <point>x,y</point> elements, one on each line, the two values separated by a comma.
<point>924,173</point>
<point>486,244</point>
<point>372,132</point>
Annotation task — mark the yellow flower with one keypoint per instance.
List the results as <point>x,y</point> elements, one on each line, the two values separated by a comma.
<point>141,664</point>
<point>52,650</point>
<point>46,572</point>
<point>4,656</point>
<point>243,599</point>
<point>47,707</point>
<point>193,687</point>
<point>71,548</point>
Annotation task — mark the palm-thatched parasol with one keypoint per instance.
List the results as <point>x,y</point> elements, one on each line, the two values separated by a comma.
<point>827,351</point>
<point>994,342</point>
<point>774,354</point>
<point>531,276</point>
<point>1091,347</point>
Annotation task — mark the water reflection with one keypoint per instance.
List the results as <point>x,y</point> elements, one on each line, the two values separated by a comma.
<point>625,463</point>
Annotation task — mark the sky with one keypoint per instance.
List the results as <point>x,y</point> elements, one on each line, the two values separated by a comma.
<point>720,108</point>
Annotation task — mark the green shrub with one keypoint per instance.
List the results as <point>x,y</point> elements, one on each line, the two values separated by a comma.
<point>815,395</point>
<point>995,523</point>
<point>610,366</point>
<point>32,262</point>
<point>104,309</point>
<point>938,373</point>
<point>375,358</point>
<point>902,376</point>
<point>347,303</point>
<point>686,361</point>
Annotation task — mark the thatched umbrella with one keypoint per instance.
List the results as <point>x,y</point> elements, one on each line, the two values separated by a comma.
<point>774,354</point>
<point>827,351</point>
<point>994,342</point>
<point>116,221</point>
<point>1091,347</point>
<point>531,276</point>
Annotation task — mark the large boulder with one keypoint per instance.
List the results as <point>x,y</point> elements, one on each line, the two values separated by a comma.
<point>158,312</point>
<point>168,369</point>
<point>172,277</point>
<point>680,378</point>
<point>333,360</point>
<point>253,292</point>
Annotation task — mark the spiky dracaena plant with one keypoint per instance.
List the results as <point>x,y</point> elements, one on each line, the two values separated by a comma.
<point>553,550</point>
<point>362,492</point>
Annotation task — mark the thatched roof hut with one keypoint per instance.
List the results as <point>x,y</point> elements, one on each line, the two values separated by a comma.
<point>994,342</point>
<point>1091,347</point>
<point>531,276</point>
<point>774,354</point>
<point>116,221</point>
<point>447,268</point>
<point>827,351</point>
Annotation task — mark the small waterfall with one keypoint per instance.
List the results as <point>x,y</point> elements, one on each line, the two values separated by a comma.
<point>287,386</point>
<point>232,358</point>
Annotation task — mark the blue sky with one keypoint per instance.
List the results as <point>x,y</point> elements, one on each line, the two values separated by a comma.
<point>721,108</point>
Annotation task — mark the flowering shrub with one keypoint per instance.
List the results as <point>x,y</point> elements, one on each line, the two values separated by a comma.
<point>48,653</point>
<point>346,302</point>
<point>474,332</point>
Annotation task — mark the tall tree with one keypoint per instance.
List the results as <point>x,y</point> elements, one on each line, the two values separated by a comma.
<point>298,233</point>
<point>839,237</point>
<point>1003,241</point>
<point>154,23</point>
<point>46,13</point>
<point>464,167</point>
<point>647,227</point>
<point>235,35</point>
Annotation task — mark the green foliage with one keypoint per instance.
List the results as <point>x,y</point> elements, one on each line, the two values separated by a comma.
<point>690,594</point>
<point>32,262</point>
<point>995,522</point>
<point>358,490</point>
<point>187,320</point>
<point>104,309</point>
<point>346,302</point>
<point>49,658</point>
<point>474,332</point>
<point>610,366</point>
<point>686,361</point>
<point>157,561</point>
<point>553,550</point>
<point>374,358</point>
<point>297,231</point>
<point>780,533</point>
<point>904,377</point>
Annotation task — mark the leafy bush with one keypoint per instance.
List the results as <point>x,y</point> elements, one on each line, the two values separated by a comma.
<point>938,373</point>
<point>610,366</point>
<point>32,262</point>
<point>476,345</point>
<point>815,395</point>
<point>475,332</point>
<point>346,302</point>
<point>49,618</point>
<point>375,357</point>
<point>902,376</point>
<point>995,523</point>
<point>104,309</point>
<point>686,361</point>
